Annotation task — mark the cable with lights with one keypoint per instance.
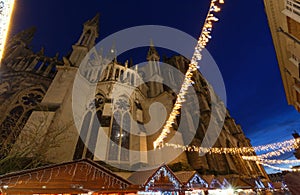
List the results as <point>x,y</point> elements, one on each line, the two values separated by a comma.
<point>279,147</point>
<point>204,38</point>
<point>6,10</point>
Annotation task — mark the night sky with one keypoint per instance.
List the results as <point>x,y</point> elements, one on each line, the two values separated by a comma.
<point>241,46</point>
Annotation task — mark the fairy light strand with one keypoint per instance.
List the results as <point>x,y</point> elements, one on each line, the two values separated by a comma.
<point>280,168</point>
<point>6,10</point>
<point>279,147</point>
<point>271,161</point>
<point>193,66</point>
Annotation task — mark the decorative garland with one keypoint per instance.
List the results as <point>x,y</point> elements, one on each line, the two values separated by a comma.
<point>204,38</point>
<point>6,10</point>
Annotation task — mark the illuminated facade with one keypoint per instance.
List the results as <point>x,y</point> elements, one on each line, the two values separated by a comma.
<point>284,22</point>
<point>54,106</point>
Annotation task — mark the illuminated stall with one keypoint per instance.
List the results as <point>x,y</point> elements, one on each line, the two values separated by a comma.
<point>214,185</point>
<point>77,177</point>
<point>159,181</point>
<point>194,183</point>
<point>240,185</point>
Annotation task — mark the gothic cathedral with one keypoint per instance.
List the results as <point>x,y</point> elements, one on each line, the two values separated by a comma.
<point>37,97</point>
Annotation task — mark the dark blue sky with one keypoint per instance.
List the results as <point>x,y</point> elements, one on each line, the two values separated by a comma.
<point>241,46</point>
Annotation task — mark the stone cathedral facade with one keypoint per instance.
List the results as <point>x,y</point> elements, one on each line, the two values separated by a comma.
<point>34,88</point>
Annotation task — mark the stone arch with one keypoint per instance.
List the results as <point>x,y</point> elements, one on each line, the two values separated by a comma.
<point>17,115</point>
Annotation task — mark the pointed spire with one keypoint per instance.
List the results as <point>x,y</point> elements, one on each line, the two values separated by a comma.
<point>152,53</point>
<point>24,36</point>
<point>87,39</point>
<point>94,21</point>
<point>56,56</point>
<point>41,52</point>
<point>130,62</point>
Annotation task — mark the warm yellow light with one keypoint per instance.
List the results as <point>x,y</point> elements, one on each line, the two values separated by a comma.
<point>202,41</point>
<point>6,10</point>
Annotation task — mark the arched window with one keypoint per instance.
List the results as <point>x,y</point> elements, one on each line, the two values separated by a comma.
<point>87,141</point>
<point>115,137</point>
<point>117,74</point>
<point>93,137</point>
<point>128,77</point>
<point>122,76</point>
<point>83,135</point>
<point>86,37</point>
<point>10,122</point>
<point>17,117</point>
<point>125,135</point>
<point>120,131</point>
<point>132,79</point>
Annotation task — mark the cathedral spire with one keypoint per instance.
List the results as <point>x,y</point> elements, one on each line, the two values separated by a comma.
<point>155,88</point>
<point>19,44</point>
<point>94,21</point>
<point>152,53</point>
<point>90,32</point>
<point>86,41</point>
<point>25,36</point>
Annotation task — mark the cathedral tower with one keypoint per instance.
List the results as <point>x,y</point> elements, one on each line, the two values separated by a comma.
<point>86,41</point>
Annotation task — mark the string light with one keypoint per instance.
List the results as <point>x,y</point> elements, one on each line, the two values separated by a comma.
<point>280,168</point>
<point>6,10</point>
<point>292,143</point>
<point>285,146</point>
<point>269,161</point>
<point>162,170</point>
<point>193,66</point>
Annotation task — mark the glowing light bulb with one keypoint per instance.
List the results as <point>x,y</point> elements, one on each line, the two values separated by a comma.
<point>6,10</point>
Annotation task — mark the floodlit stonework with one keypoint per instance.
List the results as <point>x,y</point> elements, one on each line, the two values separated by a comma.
<point>284,22</point>
<point>34,86</point>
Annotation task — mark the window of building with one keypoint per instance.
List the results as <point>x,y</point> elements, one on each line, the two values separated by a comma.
<point>120,131</point>
<point>293,27</point>
<point>17,117</point>
<point>87,141</point>
<point>292,9</point>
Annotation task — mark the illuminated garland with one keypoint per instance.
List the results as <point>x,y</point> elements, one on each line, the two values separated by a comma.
<point>193,66</point>
<point>285,146</point>
<point>278,152</point>
<point>257,159</point>
<point>6,10</point>
<point>280,168</point>
<point>292,143</point>
<point>158,174</point>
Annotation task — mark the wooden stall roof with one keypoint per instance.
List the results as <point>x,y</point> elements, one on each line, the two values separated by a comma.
<point>79,176</point>
<point>225,183</point>
<point>142,179</point>
<point>212,181</point>
<point>185,176</point>
<point>240,183</point>
<point>191,179</point>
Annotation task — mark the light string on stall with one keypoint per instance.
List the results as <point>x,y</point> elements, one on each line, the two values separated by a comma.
<point>204,38</point>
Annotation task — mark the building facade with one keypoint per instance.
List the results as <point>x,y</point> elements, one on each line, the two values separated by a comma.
<point>25,79</point>
<point>122,119</point>
<point>284,22</point>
